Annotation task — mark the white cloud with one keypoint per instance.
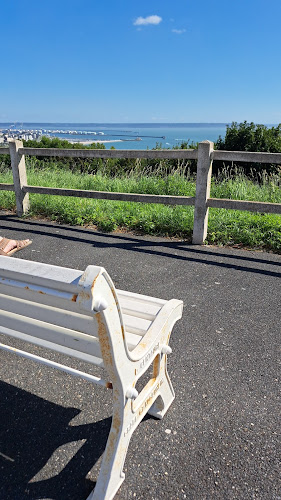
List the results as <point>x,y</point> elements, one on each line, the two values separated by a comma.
<point>144,21</point>
<point>179,32</point>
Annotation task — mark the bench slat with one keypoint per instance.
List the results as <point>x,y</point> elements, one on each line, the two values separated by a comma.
<point>141,298</point>
<point>43,312</point>
<point>140,306</point>
<point>57,277</point>
<point>41,295</point>
<point>135,309</point>
<point>50,345</point>
<point>53,333</point>
<point>135,325</point>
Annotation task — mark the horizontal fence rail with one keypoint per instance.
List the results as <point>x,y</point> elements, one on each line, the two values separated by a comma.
<point>246,156</point>
<point>4,151</point>
<point>177,154</point>
<point>251,206</point>
<point>7,187</point>
<point>112,195</point>
<point>204,155</point>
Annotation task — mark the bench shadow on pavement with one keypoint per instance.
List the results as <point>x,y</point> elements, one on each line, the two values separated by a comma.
<point>31,430</point>
<point>126,241</point>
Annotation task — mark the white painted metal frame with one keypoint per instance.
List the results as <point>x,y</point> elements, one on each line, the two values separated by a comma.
<point>84,316</point>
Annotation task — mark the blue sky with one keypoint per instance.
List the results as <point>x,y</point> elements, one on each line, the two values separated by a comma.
<point>149,61</point>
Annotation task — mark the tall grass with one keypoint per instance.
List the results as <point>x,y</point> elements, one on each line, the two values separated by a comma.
<point>225,226</point>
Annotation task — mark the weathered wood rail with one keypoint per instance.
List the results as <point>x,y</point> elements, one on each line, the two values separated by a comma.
<point>204,155</point>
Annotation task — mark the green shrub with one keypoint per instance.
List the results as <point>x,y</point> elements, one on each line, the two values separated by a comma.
<point>250,137</point>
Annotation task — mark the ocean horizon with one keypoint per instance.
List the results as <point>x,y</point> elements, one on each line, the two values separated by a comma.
<point>127,135</point>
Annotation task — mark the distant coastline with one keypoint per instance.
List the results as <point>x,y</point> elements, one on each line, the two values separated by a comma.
<point>120,135</point>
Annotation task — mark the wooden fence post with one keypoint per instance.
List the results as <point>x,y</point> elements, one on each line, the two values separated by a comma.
<point>19,175</point>
<point>203,184</point>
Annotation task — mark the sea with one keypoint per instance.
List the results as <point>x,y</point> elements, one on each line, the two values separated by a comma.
<point>128,135</point>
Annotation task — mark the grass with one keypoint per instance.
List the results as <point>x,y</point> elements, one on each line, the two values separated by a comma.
<point>225,226</point>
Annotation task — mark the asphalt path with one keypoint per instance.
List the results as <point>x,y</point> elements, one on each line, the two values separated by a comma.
<point>219,439</point>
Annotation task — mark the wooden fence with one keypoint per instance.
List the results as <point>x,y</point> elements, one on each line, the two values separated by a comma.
<point>205,154</point>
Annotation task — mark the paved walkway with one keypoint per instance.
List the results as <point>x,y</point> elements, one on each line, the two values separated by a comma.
<point>219,438</point>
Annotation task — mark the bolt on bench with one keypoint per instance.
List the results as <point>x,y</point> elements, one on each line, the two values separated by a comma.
<point>82,315</point>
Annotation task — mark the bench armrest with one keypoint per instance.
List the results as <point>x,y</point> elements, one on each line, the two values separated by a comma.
<point>165,320</point>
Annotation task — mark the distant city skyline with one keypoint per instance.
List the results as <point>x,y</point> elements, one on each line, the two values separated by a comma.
<point>126,62</point>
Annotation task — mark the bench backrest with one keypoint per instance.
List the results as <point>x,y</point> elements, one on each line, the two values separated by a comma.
<point>67,310</point>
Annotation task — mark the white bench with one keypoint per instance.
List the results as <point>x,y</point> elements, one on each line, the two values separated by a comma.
<point>82,315</point>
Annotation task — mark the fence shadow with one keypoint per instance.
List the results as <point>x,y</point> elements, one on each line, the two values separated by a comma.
<point>174,249</point>
<point>31,431</point>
